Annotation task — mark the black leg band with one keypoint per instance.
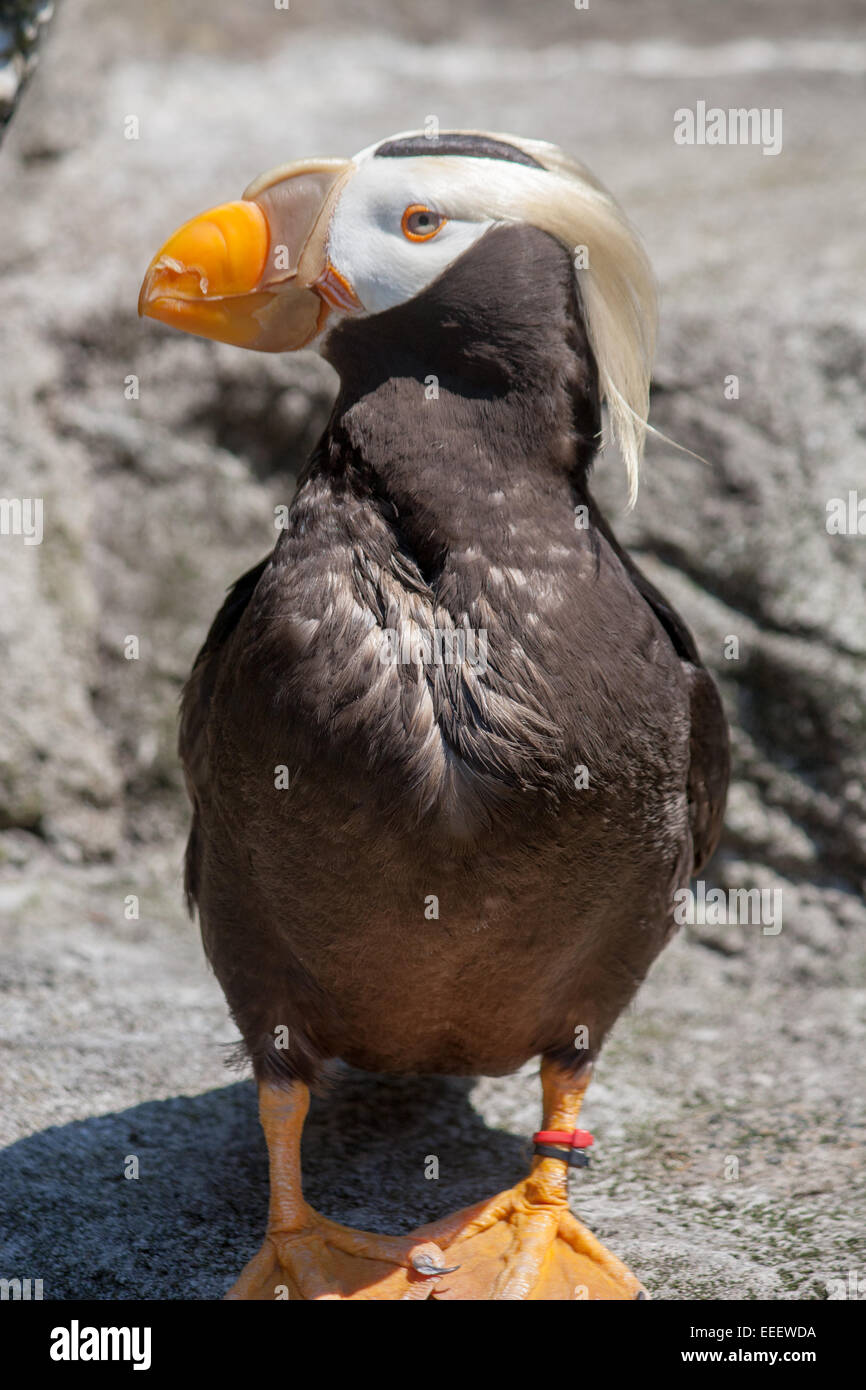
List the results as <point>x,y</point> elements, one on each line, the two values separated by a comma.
<point>575,1158</point>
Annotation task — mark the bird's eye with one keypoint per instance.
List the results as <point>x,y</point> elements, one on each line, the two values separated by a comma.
<point>420,223</point>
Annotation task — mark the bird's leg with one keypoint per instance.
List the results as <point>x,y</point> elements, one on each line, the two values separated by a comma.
<point>306,1256</point>
<point>525,1243</point>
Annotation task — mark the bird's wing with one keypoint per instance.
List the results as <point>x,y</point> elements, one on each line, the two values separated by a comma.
<point>709,748</point>
<point>195,704</point>
<point>709,766</point>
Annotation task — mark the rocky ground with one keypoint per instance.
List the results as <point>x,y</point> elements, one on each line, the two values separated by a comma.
<point>728,1107</point>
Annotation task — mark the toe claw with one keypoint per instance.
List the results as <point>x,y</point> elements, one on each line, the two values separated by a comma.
<point>423,1264</point>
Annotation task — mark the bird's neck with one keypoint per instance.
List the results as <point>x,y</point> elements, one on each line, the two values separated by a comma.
<point>473,411</point>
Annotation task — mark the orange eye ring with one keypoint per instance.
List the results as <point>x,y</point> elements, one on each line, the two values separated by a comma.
<point>413,222</point>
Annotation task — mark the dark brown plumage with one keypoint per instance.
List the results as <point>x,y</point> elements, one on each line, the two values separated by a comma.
<point>404,783</point>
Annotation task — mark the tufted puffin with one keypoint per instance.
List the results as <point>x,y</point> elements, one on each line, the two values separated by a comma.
<point>450,754</point>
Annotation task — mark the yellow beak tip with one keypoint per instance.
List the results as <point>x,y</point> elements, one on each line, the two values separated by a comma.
<point>219,255</point>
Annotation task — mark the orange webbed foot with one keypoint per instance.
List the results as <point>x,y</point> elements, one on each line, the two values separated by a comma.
<point>515,1247</point>
<point>322,1260</point>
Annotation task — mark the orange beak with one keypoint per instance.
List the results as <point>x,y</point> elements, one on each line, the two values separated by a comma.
<point>255,272</point>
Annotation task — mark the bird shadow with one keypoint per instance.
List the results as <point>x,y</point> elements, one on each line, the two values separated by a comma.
<point>380,1153</point>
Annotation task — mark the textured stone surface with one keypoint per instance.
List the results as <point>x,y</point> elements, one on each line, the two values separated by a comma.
<point>742,1046</point>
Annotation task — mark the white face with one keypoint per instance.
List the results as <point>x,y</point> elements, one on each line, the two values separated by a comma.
<point>387,255</point>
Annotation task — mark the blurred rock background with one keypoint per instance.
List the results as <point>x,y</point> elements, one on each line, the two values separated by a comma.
<point>160,460</point>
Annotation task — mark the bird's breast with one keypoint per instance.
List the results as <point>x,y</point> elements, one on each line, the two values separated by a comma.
<point>450,701</point>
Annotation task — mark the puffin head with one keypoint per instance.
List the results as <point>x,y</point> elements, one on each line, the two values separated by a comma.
<point>319,240</point>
